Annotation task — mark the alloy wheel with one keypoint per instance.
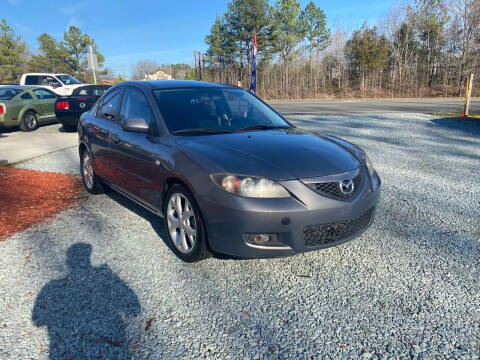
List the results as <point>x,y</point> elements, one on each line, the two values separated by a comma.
<point>181,223</point>
<point>30,121</point>
<point>87,172</point>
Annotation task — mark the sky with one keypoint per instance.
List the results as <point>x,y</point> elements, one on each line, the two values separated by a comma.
<point>127,31</point>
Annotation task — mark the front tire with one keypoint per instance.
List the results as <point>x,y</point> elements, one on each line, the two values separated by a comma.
<point>185,228</point>
<point>90,180</point>
<point>29,121</point>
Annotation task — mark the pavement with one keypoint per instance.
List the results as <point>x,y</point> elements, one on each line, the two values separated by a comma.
<point>18,146</point>
<point>372,106</point>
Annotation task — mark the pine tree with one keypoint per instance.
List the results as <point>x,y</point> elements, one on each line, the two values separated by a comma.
<point>289,26</point>
<point>11,54</point>
<point>315,23</point>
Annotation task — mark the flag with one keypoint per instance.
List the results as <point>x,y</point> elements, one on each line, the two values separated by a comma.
<point>253,81</point>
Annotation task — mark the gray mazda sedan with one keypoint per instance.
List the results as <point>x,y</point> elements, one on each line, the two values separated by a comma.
<point>226,172</point>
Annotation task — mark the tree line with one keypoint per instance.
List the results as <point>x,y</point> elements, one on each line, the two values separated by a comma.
<point>65,56</point>
<point>426,48</point>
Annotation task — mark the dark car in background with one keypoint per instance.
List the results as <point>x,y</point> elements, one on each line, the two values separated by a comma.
<point>226,172</point>
<point>69,108</point>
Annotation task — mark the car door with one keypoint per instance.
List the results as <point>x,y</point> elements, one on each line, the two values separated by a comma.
<point>134,153</point>
<point>98,128</point>
<point>46,99</point>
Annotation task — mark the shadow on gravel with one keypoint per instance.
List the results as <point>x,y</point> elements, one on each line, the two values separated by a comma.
<point>85,311</point>
<point>157,223</point>
<point>471,126</point>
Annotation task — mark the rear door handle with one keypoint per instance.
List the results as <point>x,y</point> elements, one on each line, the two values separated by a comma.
<point>114,138</point>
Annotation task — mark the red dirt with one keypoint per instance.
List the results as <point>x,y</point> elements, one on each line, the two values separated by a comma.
<point>27,197</point>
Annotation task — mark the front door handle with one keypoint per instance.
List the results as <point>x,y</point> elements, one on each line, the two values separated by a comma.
<point>114,138</point>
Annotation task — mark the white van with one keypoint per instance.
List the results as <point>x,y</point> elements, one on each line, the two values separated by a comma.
<point>61,84</point>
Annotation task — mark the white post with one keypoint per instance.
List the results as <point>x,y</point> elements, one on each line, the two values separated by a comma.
<point>91,59</point>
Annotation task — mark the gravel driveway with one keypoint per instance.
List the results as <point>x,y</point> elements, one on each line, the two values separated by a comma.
<point>408,288</point>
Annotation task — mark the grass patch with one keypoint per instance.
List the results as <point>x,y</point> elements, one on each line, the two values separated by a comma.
<point>456,114</point>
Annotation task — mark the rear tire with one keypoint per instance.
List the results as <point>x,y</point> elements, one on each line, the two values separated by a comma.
<point>29,121</point>
<point>184,225</point>
<point>90,180</point>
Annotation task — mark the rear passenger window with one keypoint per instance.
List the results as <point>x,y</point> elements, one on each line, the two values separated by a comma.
<point>135,105</point>
<point>26,96</point>
<point>32,80</point>
<point>44,94</point>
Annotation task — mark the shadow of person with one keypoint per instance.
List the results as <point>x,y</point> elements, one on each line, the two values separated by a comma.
<point>85,311</point>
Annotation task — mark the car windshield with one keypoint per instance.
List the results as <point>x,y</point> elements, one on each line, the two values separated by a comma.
<point>68,80</point>
<point>8,93</point>
<point>214,110</point>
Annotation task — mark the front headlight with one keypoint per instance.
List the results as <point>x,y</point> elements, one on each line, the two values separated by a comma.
<point>369,163</point>
<point>250,186</point>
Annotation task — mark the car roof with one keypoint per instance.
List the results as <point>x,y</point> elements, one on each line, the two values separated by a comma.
<point>174,84</point>
<point>51,74</point>
<point>19,87</point>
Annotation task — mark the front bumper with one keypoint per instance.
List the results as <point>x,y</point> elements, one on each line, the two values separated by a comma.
<point>228,218</point>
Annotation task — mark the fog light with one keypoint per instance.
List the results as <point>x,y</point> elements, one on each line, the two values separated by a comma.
<point>261,239</point>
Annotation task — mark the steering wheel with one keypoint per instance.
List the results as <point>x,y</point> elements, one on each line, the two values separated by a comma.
<point>233,118</point>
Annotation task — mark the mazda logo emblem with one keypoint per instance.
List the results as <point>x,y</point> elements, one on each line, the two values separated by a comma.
<point>346,186</point>
<point>82,105</point>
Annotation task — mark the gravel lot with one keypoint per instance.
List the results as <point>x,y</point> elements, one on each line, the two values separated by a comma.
<point>408,288</point>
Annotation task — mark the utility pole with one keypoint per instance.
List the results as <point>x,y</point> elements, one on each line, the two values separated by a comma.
<point>92,62</point>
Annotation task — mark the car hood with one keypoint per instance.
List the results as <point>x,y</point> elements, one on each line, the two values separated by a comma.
<point>279,154</point>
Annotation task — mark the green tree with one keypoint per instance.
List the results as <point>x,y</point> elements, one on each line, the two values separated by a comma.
<point>68,55</point>
<point>11,54</point>
<point>368,53</point>
<point>52,57</point>
<point>289,26</point>
<point>191,75</point>
<point>241,19</point>
<point>220,43</point>
<point>430,18</point>
<point>315,23</point>
<point>76,44</point>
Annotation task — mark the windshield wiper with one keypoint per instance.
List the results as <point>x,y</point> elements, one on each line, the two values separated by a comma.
<point>263,127</point>
<point>202,130</point>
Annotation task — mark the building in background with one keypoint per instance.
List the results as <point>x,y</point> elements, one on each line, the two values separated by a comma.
<point>159,75</point>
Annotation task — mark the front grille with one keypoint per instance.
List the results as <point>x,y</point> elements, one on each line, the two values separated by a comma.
<point>332,189</point>
<point>317,235</point>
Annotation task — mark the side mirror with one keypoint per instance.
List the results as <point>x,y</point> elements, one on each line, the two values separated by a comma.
<point>139,125</point>
<point>56,84</point>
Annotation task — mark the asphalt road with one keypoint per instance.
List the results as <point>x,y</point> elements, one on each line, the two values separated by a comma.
<point>369,106</point>
<point>16,145</point>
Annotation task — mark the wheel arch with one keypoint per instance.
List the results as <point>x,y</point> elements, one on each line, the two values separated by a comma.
<point>23,111</point>
<point>168,183</point>
<point>81,147</point>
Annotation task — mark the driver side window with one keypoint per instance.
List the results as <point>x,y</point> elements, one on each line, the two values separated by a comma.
<point>49,81</point>
<point>135,105</point>
<point>108,109</point>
